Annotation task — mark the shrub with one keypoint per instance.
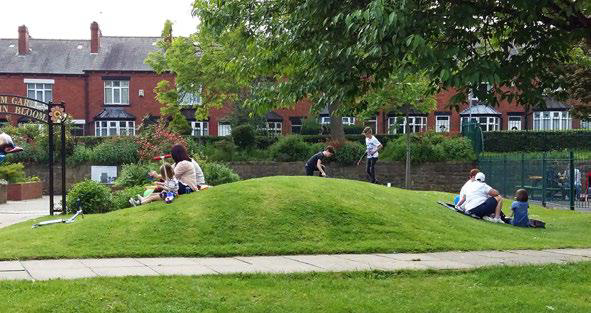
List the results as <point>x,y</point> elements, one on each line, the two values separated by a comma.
<point>217,174</point>
<point>117,150</point>
<point>349,153</point>
<point>264,142</point>
<point>92,197</point>
<point>514,141</point>
<point>224,150</point>
<point>353,129</point>
<point>429,147</point>
<point>121,197</point>
<point>134,174</point>
<point>89,141</point>
<point>244,136</point>
<point>13,173</point>
<point>81,155</point>
<point>289,149</point>
<point>156,140</point>
<point>311,126</point>
<point>459,148</point>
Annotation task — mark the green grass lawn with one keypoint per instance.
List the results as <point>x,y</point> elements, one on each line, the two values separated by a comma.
<point>289,215</point>
<point>554,288</point>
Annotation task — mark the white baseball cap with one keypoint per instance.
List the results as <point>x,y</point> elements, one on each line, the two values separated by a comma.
<point>480,177</point>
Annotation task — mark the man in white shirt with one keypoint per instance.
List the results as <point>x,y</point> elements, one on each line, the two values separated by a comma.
<point>373,145</point>
<point>471,178</point>
<point>483,201</point>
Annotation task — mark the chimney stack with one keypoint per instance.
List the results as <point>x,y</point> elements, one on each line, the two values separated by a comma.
<point>23,40</point>
<point>95,37</point>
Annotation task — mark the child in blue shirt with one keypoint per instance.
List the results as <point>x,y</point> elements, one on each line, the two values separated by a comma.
<point>519,209</point>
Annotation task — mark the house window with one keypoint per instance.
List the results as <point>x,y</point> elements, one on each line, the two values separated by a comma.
<point>116,92</point>
<point>296,125</point>
<point>200,129</point>
<point>274,128</point>
<point>584,124</point>
<point>114,128</point>
<point>347,120</point>
<point>224,129</point>
<point>40,92</point>
<point>514,123</point>
<point>552,120</point>
<point>324,120</point>
<point>190,98</point>
<point>77,127</point>
<point>487,123</point>
<point>442,123</point>
<point>472,98</point>
<point>372,123</point>
<point>397,125</point>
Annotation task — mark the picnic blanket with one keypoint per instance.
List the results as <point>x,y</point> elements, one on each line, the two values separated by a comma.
<point>533,223</point>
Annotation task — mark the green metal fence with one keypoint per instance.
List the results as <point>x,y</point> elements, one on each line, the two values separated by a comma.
<point>560,178</point>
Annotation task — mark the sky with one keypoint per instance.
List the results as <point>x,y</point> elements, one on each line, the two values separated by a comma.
<point>70,19</point>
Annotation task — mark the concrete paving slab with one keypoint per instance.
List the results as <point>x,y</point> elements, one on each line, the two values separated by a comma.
<point>579,252</point>
<point>383,263</point>
<point>409,257</point>
<point>15,275</point>
<point>538,253</point>
<point>495,254</point>
<point>446,265</point>
<point>279,264</point>
<point>11,266</point>
<point>115,262</point>
<point>167,261</point>
<point>331,262</point>
<point>13,212</point>
<point>45,274</point>
<point>467,258</point>
<point>194,269</point>
<point>124,271</point>
<point>52,264</point>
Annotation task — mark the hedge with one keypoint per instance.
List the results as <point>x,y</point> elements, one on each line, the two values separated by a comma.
<point>516,141</point>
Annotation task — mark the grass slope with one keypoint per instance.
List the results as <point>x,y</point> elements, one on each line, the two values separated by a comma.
<point>288,215</point>
<point>554,288</point>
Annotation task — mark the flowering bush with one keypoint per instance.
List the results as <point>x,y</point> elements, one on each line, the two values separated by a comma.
<point>157,140</point>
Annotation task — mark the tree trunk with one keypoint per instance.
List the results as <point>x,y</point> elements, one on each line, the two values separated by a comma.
<point>337,132</point>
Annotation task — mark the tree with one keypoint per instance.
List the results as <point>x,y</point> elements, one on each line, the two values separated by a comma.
<point>333,47</point>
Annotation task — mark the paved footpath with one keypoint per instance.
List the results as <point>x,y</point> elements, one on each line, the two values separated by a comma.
<point>13,212</point>
<point>81,268</point>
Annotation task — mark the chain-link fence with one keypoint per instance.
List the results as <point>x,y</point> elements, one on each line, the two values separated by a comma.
<point>556,179</point>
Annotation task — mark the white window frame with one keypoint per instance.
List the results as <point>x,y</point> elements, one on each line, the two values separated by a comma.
<point>414,122</point>
<point>513,122</point>
<point>487,123</point>
<point>299,125</point>
<point>200,128</point>
<point>78,123</point>
<point>552,120</point>
<point>324,120</point>
<point>274,128</point>
<point>114,86</point>
<point>224,129</point>
<point>105,128</point>
<point>473,99</point>
<point>191,98</point>
<point>40,89</point>
<point>348,120</point>
<point>585,124</point>
<point>442,120</point>
<point>373,124</point>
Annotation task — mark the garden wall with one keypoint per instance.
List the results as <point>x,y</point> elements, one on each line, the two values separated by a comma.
<point>441,176</point>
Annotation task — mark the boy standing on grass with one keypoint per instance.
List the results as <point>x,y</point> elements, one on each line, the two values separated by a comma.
<point>373,145</point>
<point>315,162</point>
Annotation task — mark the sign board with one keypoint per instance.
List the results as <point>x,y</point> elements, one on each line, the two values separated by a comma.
<point>103,174</point>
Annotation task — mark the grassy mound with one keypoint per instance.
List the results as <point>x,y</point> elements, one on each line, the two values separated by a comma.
<point>288,215</point>
<point>551,288</point>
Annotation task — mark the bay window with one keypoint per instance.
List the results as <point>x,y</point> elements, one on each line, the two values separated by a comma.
<point>552,120</point>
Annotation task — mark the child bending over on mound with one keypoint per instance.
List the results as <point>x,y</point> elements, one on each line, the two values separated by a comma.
<point>315,162</point>
<point>169,186</point>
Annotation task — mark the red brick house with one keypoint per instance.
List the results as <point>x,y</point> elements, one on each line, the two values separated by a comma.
<point>108,90</point>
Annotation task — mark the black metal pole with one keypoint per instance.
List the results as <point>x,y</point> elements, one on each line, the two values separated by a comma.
<point>63,150</point>
<point>544,179</point>
<point>51,148</point>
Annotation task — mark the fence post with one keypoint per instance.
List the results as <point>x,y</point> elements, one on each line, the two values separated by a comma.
<point>544,179</point>
<point>522,169</point>
<point>571,182</point>
<point>504,192</point>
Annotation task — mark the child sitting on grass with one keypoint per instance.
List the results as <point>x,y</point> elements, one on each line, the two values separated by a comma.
<point>170,188</point>
<point>519,209</point>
